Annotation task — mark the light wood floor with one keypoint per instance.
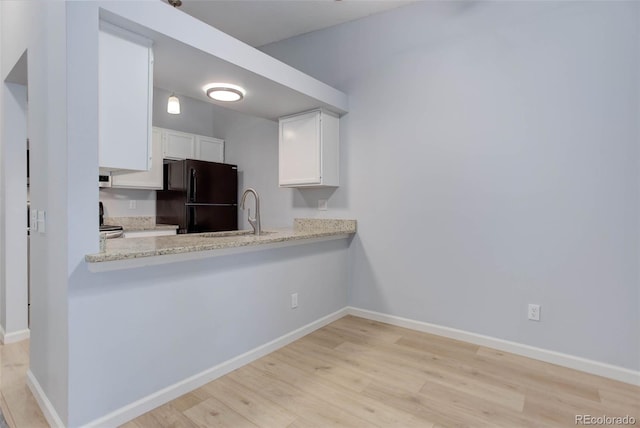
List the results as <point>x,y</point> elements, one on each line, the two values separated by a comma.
<point>18,406</point>
<point>361,373</point>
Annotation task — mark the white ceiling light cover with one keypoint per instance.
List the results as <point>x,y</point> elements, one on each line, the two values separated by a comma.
<point>224,92</point>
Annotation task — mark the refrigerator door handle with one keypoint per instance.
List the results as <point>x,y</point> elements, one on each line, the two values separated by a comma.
<point>192,185</point>
<point>191,219</point>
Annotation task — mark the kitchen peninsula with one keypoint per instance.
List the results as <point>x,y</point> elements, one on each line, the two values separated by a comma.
<point>137,252</point>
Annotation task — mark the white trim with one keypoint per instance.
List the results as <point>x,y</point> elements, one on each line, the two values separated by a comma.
<point>578,363</point>
<point>114,30</point>
<point>47,408</point>
<point>16,336</point>
<point>137,408</point>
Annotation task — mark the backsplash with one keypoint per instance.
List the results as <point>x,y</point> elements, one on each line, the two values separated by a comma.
<point>132,223</point>
<point>324,224</point>
<point>128,202</point>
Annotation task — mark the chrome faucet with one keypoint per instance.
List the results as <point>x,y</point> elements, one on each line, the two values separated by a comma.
<point>254,222</point>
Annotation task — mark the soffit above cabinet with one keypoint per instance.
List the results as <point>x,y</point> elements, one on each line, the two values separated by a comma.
<point>189,54</point>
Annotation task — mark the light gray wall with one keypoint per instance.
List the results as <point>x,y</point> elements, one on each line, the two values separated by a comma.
<point>491,158</point>
<point>82,158</point>
<point>13,246</point>
<point>39,29</point>
<point>137,331</point>
<point>195,116</point>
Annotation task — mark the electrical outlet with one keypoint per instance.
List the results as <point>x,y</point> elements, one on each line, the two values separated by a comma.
<point>132,204</point>
<point>322,204</point>
<point>294,300</point>
<point>534,312</point>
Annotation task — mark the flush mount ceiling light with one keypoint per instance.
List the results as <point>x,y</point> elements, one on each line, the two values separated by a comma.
<point>173,105</point>
<point>224,92</point>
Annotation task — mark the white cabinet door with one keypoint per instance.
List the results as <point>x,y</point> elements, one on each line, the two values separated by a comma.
<point>178,145</point>
<point>209,149</point>
<point>300,149</point>
<point>151,179</point>
<point>125,88</point>
<point>308,150</point>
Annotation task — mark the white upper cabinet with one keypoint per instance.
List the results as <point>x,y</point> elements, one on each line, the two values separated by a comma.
<point>125,100</point>
<point>174,145</point>
<point>309,150</point>
<point>178,145</point>
<point>209,149</point>
<point>151,179</point>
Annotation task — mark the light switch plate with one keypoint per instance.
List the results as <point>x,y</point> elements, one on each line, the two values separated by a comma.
<point>33,224</point>
<point>322,204</point>
<point>42,223</point>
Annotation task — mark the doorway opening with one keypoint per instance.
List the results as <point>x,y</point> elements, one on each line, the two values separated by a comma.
<point>14,198</point>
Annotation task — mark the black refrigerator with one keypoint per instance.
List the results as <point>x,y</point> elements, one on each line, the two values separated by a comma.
<point>198,196</point>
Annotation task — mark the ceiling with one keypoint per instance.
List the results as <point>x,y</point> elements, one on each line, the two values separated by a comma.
<point>189,54</point>
<point>185,70</point>
<point>259,22</point>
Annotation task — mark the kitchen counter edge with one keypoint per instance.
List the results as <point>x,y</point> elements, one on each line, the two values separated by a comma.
<point>138,252</point>
<point>150,228</point>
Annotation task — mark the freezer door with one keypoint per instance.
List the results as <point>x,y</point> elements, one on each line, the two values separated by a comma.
<point>211,182</point>
<point>211,218</point>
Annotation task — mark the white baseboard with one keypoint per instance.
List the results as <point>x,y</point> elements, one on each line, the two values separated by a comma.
<point>594,367</point>
<point>174,391</point>
<point>16,336</point>
<point>49,412</point>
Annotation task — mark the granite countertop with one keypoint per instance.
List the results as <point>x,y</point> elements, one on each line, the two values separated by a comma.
<point>133,248</point>
<point>138,224</point>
